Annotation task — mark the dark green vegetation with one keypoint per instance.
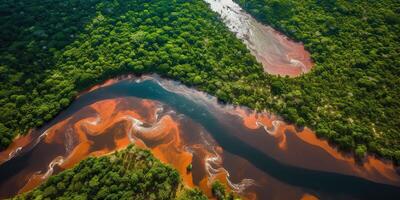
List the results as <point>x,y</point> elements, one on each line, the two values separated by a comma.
<point>219,192</point>
<point>128,174</point>
<point>352,96</point>
<point>189,168</point>
<point>51,50</point>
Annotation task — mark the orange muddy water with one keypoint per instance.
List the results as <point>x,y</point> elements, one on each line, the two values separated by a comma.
<point>256,155</point>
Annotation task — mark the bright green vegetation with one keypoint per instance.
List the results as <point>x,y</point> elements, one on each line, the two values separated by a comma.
<point>352,96</point>
<point>128,174</point>
<point>51,51</point>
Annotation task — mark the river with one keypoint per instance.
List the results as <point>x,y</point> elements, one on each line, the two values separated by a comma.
<point>278,54</point>
<point>255,154</point>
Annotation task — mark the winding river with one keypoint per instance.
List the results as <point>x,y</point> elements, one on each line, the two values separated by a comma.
<point>255,154</point>
<point>278,54</point>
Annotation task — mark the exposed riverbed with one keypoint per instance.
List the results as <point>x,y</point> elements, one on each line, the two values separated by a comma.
<point>255,154</point>
<point>278,54</point>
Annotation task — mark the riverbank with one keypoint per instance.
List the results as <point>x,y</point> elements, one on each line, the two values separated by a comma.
<point>237,146</point>
<point>148,178</point>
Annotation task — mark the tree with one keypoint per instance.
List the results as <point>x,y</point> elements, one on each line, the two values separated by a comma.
<point>64,102</point>
<point>361,151</point>
<point>277,87</point>
<point>189,168</point>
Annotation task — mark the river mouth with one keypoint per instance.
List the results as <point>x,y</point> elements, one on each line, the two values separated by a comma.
<point>255,154</point>
<point>277,53</point>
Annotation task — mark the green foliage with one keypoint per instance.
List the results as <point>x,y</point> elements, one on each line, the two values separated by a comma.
<point>349,96</point>
<point>4,135</point>
<point>219,192</point>
<point>194,194</point>
<point>128,174</point>
<point>361,151</point>
<point>45,63</point>
<point>189,168</point>
<point>49,51</point>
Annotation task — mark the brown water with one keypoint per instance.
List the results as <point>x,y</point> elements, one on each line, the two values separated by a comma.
<point>278,54</point>
<point>255,154</point>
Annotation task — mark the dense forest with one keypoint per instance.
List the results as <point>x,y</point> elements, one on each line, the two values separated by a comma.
<point>352,95</point>
<point>49,51</point>
<point>132,173</point>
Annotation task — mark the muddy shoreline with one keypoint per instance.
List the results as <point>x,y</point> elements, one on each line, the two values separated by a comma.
<point>256,154</point>
<point>278,54</point>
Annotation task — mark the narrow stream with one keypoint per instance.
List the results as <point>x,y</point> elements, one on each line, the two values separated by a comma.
<point>255,154</point>
<point>278,54</point>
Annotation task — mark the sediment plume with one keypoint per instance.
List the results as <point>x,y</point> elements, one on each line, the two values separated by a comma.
<point>15,147</point>
<point>180,140</point>
<point>371,168</point>
<point>278,54</point>
<point>109,125</point>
